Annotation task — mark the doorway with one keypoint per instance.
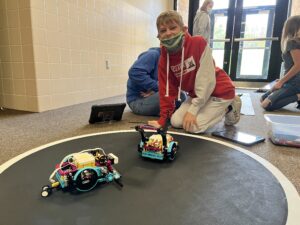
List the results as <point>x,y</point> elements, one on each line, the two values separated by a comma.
<point>245,36</point>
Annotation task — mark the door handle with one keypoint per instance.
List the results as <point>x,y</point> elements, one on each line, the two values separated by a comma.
<point>220,40</point>
<point>256,39</point>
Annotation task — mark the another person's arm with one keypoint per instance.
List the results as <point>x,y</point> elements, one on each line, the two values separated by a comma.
<point>295,53</point>
<point>140,71</point>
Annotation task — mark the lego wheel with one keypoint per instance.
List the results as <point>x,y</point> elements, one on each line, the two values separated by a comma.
<point>46,191</point>
<point>173,152</point>
<point>85,179</point>
<point>139,148</point>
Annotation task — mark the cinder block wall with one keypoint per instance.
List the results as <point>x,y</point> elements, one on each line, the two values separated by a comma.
<point>55,53</point>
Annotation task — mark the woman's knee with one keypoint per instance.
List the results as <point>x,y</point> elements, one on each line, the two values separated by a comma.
<point>267,104</point>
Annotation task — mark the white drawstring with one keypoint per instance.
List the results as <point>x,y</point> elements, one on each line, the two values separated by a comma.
<point>181,74</point>
<point>167,87</point>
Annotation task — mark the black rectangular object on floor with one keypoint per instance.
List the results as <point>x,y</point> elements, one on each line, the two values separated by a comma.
<point>239,137</point>
<point>106,113</point>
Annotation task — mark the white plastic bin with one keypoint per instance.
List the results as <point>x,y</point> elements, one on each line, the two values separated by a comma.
<point>284,129</point>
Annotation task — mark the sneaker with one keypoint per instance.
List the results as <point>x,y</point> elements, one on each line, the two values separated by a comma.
<point>234,113</point>
<point>298,106</point>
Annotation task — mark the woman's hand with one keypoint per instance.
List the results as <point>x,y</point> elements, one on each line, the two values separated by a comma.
<point>189,120</point>
<point>147,93</point>
<point>277,85</point>
<point>154,123</point>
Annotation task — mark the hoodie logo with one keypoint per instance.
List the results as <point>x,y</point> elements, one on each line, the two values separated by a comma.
<point>188,66</point>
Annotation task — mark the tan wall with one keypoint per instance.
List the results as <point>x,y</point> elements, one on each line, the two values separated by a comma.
<point>56,53</point>
<point>16,54</point>
<point>295,7</point>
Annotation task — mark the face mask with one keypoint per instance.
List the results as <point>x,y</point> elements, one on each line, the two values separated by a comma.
<point>209,9</point>
<point>174,43</point>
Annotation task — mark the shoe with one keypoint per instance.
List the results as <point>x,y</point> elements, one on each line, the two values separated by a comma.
<point>298,106</point>
<point>234,114</point>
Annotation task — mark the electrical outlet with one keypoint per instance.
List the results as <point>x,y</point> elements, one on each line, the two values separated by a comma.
<point>107,66</point>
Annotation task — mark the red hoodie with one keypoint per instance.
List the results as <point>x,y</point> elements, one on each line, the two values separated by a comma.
<point>200,78</point>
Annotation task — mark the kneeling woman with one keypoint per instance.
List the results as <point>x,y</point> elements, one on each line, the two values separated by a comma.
<point>287,89</point>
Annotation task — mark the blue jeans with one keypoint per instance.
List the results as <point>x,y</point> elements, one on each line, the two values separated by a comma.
<point>281,97</point>
<point>149,106</point>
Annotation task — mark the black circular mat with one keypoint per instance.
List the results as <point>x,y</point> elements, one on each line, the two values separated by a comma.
<point>208,183</point>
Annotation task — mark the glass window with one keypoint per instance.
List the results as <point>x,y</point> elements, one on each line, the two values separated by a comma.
<point>255,26</point>
<point>219,32</point>
<point>220,24</point>
<point>218,55</point>
<point>250,66</point>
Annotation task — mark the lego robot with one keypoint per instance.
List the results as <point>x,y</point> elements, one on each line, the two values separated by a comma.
<point>160,146</point>
<point>82,171</point>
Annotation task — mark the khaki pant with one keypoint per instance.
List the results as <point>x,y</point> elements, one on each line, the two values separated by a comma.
<point>209,115</point>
